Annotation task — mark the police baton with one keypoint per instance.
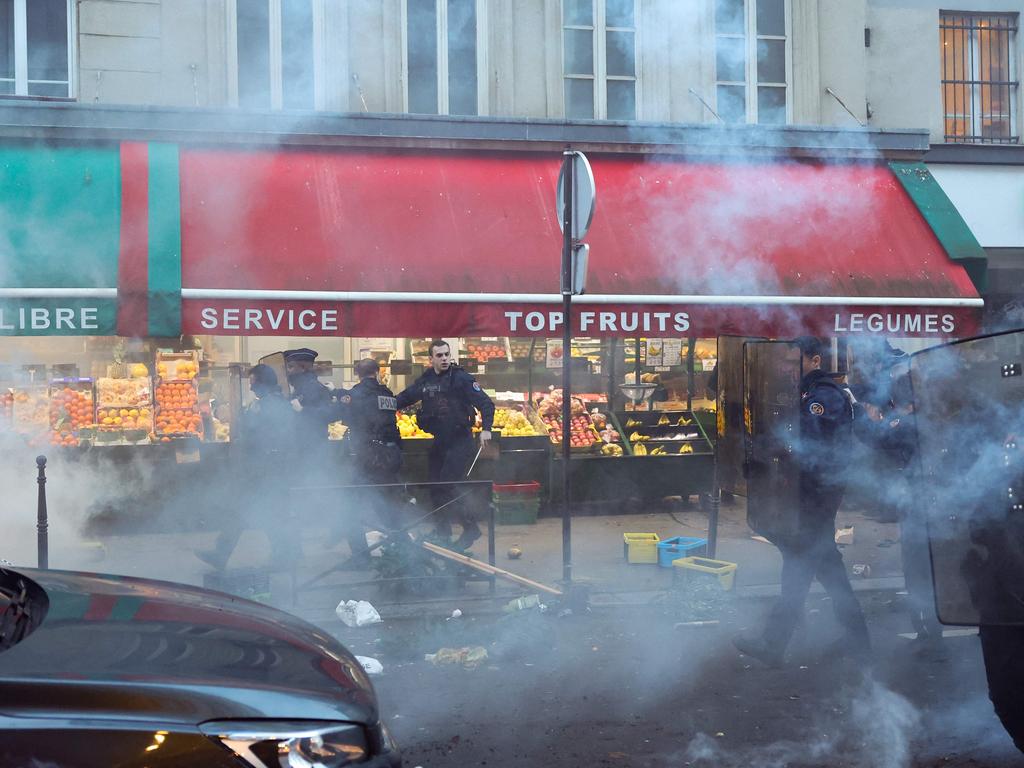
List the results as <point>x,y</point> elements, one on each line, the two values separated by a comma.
<point>475,458</point>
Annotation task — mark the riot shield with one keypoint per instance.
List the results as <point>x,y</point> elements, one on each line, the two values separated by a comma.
<point>771,404</point>
<point>729,415</point>
<point>276,361</point>
<point>969,402</point>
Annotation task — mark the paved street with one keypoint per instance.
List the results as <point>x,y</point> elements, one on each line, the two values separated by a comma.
<point>625,687</point>
<point>621,685</point>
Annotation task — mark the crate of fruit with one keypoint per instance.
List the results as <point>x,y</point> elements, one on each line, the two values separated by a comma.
<point>177,410</point>
<point>72,410</point>
<point>31,411</point>
<point>583,437</point>
<point>177,366</point>
<point>128,393</point>
<point>110,419</point>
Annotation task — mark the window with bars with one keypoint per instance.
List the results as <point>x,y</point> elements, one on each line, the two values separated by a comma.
<point>35,48</point>
<point>752,61</point>
<point>443,56</point>
<point>599,59</point>
<point>275,60</point>
<point>979,77</point>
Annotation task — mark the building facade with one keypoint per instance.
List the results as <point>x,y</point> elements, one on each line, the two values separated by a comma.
<point>881,63</point>
<point>692,61</point>
<point>878,64</point>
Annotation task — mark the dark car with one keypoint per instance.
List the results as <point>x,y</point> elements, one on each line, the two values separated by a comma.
<point>99,670</point>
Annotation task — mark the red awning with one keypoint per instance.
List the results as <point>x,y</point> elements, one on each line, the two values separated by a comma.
<point>360,243</point>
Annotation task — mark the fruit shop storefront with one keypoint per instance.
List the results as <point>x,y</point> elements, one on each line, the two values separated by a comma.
<point>149,274</point>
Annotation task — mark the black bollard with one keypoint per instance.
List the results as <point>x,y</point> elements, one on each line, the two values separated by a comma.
<point>43,557</point>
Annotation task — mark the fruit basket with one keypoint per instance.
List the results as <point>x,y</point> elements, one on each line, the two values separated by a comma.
<point>72,410</point>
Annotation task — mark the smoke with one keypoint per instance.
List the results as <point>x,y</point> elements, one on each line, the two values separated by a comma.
<point>875,726</point>
<point>76,490</point>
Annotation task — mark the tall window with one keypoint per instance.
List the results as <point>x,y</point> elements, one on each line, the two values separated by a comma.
<point>276,53</point>
<point>979,77</point>
<point>599,58</point>
<point>443,50</point>
<point>35,47</point>
<point>751,61</point>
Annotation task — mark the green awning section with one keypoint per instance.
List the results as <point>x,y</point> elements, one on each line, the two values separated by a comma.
<point>945,221</point>
<point>59,229</point>
<point>59,216</point>
<point>164,241</point>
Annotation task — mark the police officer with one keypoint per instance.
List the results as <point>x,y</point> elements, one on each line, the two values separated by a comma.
<point>313,401</point>
<point>886,423</point>
<point>262,451</point>
<point>449,395</point>
<point>826,420</point>
<point>368,410</point>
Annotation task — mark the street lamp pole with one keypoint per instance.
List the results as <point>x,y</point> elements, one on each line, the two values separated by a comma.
<point>567,248</point>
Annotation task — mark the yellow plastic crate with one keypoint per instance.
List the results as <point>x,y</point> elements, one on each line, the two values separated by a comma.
<point>724,571</point>
<point>640,548</point>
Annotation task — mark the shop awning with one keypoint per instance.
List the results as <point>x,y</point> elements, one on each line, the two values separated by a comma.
<point>59,228</point>
<point>361,243</point>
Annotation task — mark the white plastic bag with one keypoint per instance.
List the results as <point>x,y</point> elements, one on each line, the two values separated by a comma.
<point>372,539</point>
<point>371,665</point>
<point>357,613</point>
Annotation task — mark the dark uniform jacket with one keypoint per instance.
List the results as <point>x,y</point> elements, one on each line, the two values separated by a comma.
<point>826,423</point>
<point>368,409</point>
<point>318,409</point>
<point>448,400</point>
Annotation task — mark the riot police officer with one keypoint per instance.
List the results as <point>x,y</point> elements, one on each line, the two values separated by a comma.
<point>368,410</point>
<point>262,451</point>
<point>886,424</point>
<point>449,395</point>
<point>313,400</point>
<point>826,420</point>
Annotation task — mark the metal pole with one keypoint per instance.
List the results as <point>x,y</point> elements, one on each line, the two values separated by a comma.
<point>715,507</point>
<point>567,245</point>
<point>42,545</point>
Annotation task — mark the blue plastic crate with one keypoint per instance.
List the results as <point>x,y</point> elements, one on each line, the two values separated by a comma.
<point>679,546</point>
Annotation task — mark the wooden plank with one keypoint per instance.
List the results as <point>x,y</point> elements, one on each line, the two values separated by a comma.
<point>491,570</point>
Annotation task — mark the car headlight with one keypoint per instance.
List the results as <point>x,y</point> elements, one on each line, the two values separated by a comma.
<point>291,743</point>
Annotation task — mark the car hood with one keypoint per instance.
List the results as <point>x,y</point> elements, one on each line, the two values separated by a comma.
<point>136,648</point>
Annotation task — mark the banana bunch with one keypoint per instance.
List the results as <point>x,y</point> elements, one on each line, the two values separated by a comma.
<point>663,421</point>
<point>611,450</point>
<point>659,451</point>
<point>683,422</point>
<point>634,423</point>
<point>686,448</point>
<point>636,437</point>
<point>639,449</point>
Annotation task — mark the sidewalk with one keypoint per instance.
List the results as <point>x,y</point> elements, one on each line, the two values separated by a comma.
<point>597,560</point>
